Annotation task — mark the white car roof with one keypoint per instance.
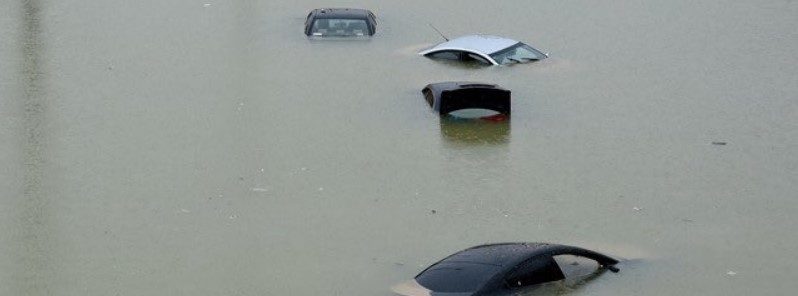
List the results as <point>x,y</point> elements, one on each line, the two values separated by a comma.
<point>485,44</point>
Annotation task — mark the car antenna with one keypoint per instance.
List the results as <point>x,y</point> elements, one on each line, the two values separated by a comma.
<point>439,32</point>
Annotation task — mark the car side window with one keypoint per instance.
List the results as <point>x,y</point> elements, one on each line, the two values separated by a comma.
<point>534,271</point>
<point>428,96</point>
<point>576,268</point>
<point>476,57</point>
<point>445,55</point>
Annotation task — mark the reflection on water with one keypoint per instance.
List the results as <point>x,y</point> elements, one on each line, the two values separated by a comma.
<point>473,132</point>
<point>562,287</point>
<point>467,65</point>
<point>33,214</point>
<point>554,288</point>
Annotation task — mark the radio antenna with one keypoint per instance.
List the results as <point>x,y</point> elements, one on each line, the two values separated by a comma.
<point>439,32</point>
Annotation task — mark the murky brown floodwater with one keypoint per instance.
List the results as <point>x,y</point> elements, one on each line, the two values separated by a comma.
<point>173,148</point>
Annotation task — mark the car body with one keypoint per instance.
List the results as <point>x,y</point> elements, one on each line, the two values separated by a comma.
<point>447,97</point>
<point>498,269</point>
<point>340,22</point>
<point>487,49</point>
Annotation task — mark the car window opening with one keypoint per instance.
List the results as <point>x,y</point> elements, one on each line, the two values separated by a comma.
<point>339,27</point>
<point>518,53</point>
<point>475,57</point>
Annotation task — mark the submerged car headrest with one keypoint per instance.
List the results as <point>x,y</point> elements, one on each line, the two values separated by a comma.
<point>447,97</point>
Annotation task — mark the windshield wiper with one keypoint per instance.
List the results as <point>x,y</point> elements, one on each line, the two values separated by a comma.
<point>515,60</point>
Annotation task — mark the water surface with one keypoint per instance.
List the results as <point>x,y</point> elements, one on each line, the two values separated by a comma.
<point>209,148</point>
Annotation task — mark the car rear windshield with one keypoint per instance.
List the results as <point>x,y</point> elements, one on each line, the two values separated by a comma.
<point>456,278</point>
<point>518,53</point>
<point>340,27</point>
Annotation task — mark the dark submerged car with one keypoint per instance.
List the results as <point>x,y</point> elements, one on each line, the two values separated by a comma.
<point>448,97</point>
<point>500,269</point>
<point>340,22</point>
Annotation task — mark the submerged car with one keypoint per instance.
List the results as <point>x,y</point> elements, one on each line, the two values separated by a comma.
<point>500,269</point>
<point>340,22</point>
<point>448,97</point>
<point>486,49</point>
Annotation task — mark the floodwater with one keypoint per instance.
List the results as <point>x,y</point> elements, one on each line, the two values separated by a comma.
<point>209,148</point>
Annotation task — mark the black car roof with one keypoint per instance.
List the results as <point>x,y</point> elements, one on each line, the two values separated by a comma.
<point>510,254</point>
<point>506,256</point>
<point>349,13</point>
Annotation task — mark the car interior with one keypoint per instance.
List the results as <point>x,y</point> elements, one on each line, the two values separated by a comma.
<point>340,27</point>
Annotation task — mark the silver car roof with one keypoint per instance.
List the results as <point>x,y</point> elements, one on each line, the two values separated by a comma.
<point>485,44</point>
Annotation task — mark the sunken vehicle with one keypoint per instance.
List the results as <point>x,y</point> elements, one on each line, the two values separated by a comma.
<point>485,49</point>
<point>447,97</point>
<point>501,269</point>
<point>340,22</point>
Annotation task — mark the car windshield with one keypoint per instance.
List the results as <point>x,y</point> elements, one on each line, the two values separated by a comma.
<point>463,277</point>
<point>518,53</point>
<point>339,27</point>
